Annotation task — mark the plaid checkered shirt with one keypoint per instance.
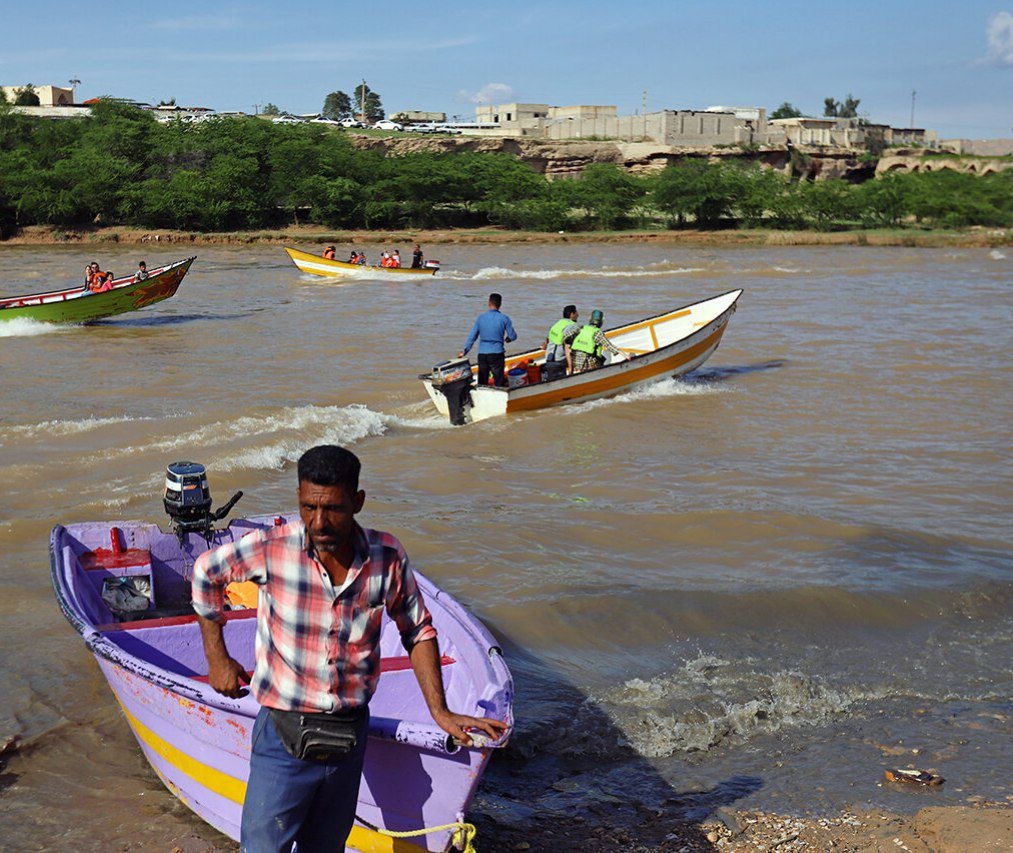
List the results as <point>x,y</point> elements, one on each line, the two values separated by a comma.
<point>318,646</point>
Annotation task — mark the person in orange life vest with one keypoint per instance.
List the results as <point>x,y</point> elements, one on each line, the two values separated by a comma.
<point>329,253</point>
<point>353,258</point>
<point>97,280</point>
<point>395,259</point>
<point>88,273</point>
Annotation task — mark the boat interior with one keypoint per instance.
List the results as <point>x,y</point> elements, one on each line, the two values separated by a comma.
<point>166,634</point>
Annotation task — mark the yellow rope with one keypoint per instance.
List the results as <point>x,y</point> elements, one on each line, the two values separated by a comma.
<point>462,840</point>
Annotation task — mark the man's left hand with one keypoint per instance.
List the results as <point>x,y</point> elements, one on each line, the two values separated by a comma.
<point>457,726</point>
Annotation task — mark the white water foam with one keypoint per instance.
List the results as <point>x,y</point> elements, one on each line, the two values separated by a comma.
<point>996,255</point>
<point>658,390</point>
<point>51,429</point>
<point>710,700</point>
<point>640,272</point>
<point>344,425</point>
<point>23,328</point>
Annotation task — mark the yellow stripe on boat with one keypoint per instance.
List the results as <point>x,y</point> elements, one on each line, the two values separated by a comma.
<point>360,838</point>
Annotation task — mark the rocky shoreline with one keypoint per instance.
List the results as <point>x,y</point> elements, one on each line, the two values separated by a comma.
<point>39,235</point>
<point>938,829</point>
<point>981,828</point>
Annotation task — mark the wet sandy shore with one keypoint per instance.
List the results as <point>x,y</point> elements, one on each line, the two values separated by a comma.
<point>301,235</point>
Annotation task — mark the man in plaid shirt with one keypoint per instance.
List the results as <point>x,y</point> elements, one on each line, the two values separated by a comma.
<point>324,584</point>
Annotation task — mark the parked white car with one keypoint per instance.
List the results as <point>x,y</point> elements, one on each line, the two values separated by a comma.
<point>286,120</point>
<point>387,124</point>
<point>322,120</point>
<point>351,122</point>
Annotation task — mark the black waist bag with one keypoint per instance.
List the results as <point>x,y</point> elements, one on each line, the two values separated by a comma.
<point>318,737</point>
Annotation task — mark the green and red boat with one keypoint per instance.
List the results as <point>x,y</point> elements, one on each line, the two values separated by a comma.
<point>76,305</point>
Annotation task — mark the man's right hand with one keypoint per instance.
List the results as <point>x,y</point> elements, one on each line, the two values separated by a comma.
<point>227,677</point>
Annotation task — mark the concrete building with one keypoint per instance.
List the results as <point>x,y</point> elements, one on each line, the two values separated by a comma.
<point>49,96</point>
<point>699,128</point>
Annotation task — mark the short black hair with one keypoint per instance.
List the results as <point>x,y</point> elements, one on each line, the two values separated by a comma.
<point>495,299</point>
<point>330,465</point>
<point>568,310</point>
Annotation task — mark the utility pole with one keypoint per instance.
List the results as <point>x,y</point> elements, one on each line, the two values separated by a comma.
<point>362,102</point>
<point>913,93</point>
<point>645,101</point>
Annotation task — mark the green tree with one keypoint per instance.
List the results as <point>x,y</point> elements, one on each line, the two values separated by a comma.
<point>883,201</point>
<point>848,108</point>
<point>367,102</point>
<point>337,106</point>
<point>605,193</point>
<point>825,203</point>
<point>25,96</point>
<point>271,109</point>
<point>786,110</point>
<point>693,187</point>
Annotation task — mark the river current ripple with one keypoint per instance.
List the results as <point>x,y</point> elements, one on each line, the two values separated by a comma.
<point>757,586</point>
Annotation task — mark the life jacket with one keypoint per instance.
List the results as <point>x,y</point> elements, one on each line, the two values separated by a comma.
<point>105,284</point>
<point>98,280</point>
<point>395,261</point>
<point>584,342</point>
<point>329,254</point>
<point>556,332</point>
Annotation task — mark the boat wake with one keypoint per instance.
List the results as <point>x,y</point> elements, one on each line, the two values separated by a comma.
<point>52,429</point>
<point>658,390</point>
<point>495,273</point>
<point>22,328</point>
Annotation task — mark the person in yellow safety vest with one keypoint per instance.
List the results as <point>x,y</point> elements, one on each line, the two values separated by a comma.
<point>590,343</point>
<point>560,337</point>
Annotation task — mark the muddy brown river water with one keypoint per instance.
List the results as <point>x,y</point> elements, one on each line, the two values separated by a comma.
<point>757,586</point>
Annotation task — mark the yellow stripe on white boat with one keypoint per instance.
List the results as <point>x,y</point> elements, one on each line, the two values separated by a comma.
<point>362,839</point>
<point>316,265</point>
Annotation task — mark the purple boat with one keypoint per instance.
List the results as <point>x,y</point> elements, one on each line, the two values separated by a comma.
<point>125,587</point>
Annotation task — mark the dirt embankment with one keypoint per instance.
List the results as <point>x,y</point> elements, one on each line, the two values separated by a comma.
<point>303,236</point>
<point>569,158</point>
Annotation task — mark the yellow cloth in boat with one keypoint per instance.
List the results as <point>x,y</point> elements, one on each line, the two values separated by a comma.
<point>242,595</point>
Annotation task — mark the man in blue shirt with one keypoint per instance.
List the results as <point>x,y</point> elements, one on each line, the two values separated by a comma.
<point>492,329</point>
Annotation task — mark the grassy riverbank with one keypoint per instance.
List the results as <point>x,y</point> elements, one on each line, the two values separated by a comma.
<point>46,235</point>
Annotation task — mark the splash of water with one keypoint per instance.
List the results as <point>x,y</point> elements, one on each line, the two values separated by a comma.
<point>487,273</point>
<point>23,328</point>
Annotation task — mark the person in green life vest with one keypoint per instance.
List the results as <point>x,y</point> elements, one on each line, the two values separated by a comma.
<point>589,345</point>
<point>560,337</point>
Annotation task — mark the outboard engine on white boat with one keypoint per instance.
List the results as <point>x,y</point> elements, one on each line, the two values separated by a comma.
<point>188,500</point>
<point>452,379</point>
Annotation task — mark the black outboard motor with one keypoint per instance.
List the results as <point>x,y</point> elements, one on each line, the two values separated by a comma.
<point>453,380</point>
<point>188,500</point>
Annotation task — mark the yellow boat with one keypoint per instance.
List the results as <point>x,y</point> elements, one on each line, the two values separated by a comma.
<point>316,265</point>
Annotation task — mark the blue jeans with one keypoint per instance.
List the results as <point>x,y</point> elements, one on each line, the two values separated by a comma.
<point>290,800</point>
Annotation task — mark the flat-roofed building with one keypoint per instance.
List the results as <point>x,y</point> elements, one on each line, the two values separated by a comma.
<point>49,96</point>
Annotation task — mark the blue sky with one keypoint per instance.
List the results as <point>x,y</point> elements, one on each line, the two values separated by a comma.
<point>448,56</point>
